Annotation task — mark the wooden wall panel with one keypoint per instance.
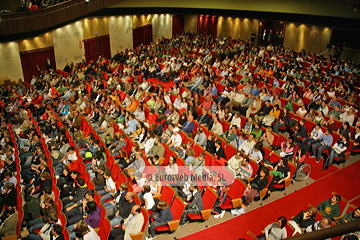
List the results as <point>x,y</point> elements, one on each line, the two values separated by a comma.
<point>191,23</point>
<point>91,26</point>
<point>140,20</point>
<point>311,38</point>
<point>237,27</point>
<point>42,41</point>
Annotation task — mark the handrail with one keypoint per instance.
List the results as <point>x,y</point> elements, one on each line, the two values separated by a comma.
<point>25,22</point>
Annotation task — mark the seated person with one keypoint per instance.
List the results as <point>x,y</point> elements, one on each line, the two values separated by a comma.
<point>276,230</point>
<point>305,218</point>
<point>194,207</point>
<point>132,225</point>
<point>255,186</point>
<point>84,231</point>
<point>351,216</point>
<point>281,172</point>
<point>8,227</point>
<point>323,223</point>
<point>122,211</point>
<point>330,208</point>
<point>160,218</point>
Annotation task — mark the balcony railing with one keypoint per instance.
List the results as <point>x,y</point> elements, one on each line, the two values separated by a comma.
<point>23,22</point>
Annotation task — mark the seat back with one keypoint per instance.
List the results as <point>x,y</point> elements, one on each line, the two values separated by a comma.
<point>145,213</point>
<point>237,189</point>
<point>209,197</point>
<point>167,194</point>
<point>343,202</point>
<point>230,151</point>
<point>105,229</point>
<point>255,167</point>
<point>177,208</point>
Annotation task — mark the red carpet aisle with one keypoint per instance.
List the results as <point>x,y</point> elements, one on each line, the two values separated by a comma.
<point>345,182</point>
<point>356,201</point>
<point>316,172</point>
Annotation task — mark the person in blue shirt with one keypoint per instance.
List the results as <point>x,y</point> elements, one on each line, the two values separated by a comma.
<point>160,218</point>
<point>324,143</point>
<point>189,125</point>
<point>131,124</point>
<point>254,90</point>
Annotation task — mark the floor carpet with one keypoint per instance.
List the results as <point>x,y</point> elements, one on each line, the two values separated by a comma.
<point>344,182</point>
<point>316,172</point>
<point>356,201</point>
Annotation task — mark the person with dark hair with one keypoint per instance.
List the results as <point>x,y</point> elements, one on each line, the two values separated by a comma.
<point>281,172</point>
<point>56,232</point>
<point>79,193</point>
<point>75,212</point>
<point>315,134</point>
<point>45,231</point>
<point>8,226</point>
<point>337,151</point>
<point>160,218</point>
<point>276,230</point>
<point>330,208</point>
<point>219,150</point>
<point>256,185</point>
<point>351,216</point>
<point>194,207</point>
<point>323,143</point>
<point>91,214</point>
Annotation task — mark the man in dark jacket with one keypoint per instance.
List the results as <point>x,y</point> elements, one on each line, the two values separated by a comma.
<point>8,195</point>
<point>80,193</point>
<point>56,232</point>
<point>123,210</point>
<point>194,207</point>
<point>300,131</point>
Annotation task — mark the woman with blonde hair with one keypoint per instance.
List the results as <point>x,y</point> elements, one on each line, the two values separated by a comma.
<point>305,218</point>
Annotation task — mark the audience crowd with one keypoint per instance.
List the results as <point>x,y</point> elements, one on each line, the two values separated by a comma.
<point>209,100</point>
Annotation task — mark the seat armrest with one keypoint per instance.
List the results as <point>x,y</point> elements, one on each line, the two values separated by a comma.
<point>173,225</point>
<point>137,236</point>
<point>205,213</point>
<point>236,202</point>
<point>11,237</point>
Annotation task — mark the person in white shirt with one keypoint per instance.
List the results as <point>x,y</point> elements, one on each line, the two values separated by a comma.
<point>175,140</point>
<point>148,198</point>
<point>314,136</point>
<point>236,120</point>
<point>217,127</point>
<point>70,156</point>
<point>248,144</point>
<point>348,116</point>
<point>109,188</point>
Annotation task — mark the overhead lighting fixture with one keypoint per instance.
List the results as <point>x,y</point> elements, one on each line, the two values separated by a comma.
<point>87,1</point>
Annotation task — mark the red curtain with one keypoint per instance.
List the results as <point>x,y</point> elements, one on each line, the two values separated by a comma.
<point>178,25</point>
<point>95,47</point>
<point>207,24</point>
<point>105,46</point>
<point>143,35</point>
<point>30,59</point>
